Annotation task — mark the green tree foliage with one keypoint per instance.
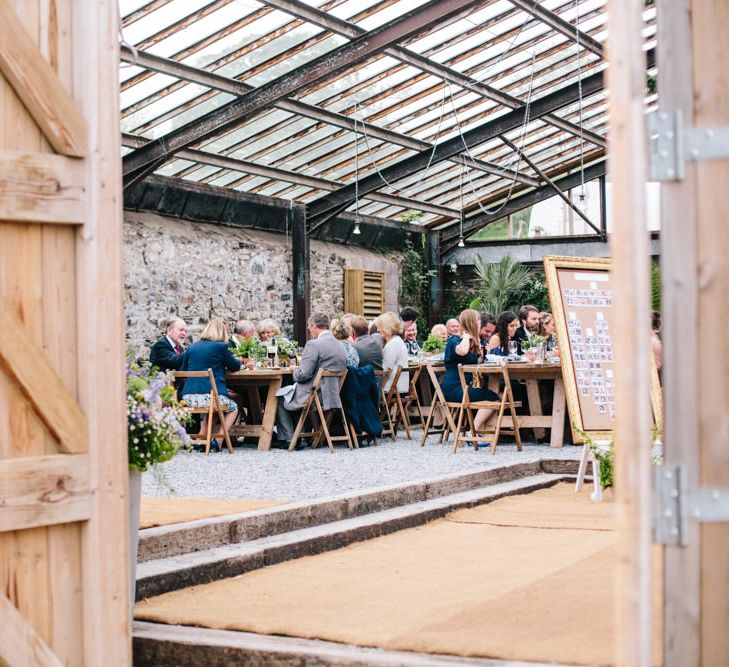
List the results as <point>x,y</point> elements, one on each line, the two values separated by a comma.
<point>534,293</point>
<point>415,276</point>
<point>500,283</point>
<point>655,286</point>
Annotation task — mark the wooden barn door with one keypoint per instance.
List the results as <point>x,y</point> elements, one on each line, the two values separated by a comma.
<point>63,475</point>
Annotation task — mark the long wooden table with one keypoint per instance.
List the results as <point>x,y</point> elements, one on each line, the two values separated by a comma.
<point>531,374</point>
<point>262,415</point>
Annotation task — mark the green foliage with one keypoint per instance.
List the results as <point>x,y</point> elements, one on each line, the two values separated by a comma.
<point>655,286</point>
<point>414,277</point>
<point>434,344</point>
<point>534,293</point>
<point>155,418</point>
<point>499,229</point>
<point>457,302</point>
<point>500,283</point>
<point>533,340</point>
<point>252,348</point>
<point>651,84</point>
<point>605,457</point>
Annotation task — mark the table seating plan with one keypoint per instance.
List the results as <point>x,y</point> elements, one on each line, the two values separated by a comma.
<point>583,304</point>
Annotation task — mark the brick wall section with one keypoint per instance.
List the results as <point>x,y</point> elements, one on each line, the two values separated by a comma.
<point>200,270</point>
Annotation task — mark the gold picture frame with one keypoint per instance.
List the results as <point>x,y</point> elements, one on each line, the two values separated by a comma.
<point>586,356</point>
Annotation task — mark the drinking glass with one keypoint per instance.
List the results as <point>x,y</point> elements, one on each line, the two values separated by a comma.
<point>271,352</point>
<point>512,347</point>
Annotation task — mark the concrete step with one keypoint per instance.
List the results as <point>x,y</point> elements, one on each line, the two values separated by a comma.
<point>156,644</point>
<point>204,534</point>
<point>161,575</point>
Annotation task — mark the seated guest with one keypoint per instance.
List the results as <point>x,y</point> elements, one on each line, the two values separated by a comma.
<point>341,331</point>
<point>548,330</point>
<point>528,325</point>
<point>243,331</point>
<point>166,353</point>
<point>410,335</point>
<point>408,315</point>
<point>454,329</point>
<point>506,327</point>
<point>394,353</point>
<point>211,351</point>
<point>322,350</point>
<point>268,329</point>
<point>440,331</point>
<point>656,343</point>
<point>488,326</point>
<point>466,349</point>
<point>368,347</point>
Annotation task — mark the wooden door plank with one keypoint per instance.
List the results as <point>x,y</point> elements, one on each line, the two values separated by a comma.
<point>37,85</point>
<point>43,490</point>
<point>711,109</point>
<point>101,341</point>
<point>23,360</point>
<point>20,644</point>
<point>41,187</point>
<point>630,262</point>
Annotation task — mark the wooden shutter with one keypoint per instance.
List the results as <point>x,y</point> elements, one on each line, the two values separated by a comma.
<point>364,292</point>
<point>64,577</point>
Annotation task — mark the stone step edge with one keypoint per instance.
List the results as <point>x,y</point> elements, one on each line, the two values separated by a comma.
<point>176,539</point>
<point>182,571</point>
<point>158,644</point>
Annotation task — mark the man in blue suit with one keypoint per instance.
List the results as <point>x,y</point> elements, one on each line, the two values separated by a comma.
<point>166,353</point>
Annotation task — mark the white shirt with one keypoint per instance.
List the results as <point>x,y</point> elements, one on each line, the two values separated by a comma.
<point>395,353</point>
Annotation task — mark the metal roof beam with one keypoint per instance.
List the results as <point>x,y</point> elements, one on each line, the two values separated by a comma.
<point>556,22</point>
<point>328,22</point>
<point>224,162</point>
<point>550,182</point>
<point>447,149</point>
<point>449,239</point>
<point>149,157</point>
<point>235,87</point>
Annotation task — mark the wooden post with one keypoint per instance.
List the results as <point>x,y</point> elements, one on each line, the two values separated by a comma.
<point>679,305</point>
<point>63,457</point>
<point>301,267</point>
<point>630,253</point>
<point>435,284</point>
<point>710,23</point>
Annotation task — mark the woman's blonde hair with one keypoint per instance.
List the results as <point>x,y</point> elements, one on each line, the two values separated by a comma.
<point>340,329</point>
<point>268,325</point>
<point>439,330</point>
<point>470,321</point>
<point>388,324</point>
<point>215,330</point>
<point>544,319</point>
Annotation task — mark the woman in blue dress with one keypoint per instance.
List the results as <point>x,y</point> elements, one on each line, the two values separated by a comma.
<point>506,327</point>
<point>466,349</point>
<point>211,351</point>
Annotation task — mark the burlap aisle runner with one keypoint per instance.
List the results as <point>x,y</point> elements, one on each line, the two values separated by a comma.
<point>465,587</point>
<point>168,510</point>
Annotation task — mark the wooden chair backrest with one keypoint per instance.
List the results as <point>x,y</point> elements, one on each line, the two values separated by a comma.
<point>199,374</point>
<point>321,373</point>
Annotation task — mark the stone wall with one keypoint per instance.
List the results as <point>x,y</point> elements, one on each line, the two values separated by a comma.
<point>200,270</point>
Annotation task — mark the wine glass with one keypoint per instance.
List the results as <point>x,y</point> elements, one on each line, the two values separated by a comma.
<point>512,348</point>
<point>271,353</point>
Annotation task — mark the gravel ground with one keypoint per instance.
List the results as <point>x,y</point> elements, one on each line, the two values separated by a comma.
<point>314,474</point>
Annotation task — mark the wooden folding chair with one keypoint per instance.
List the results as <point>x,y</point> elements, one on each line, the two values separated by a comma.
<point>385,418</point>
<point>447,410</point>
<point>468,406</point>
<point>313,402</point>
<point>394,404</point>
<point>413,400</point>
<point>214,409</point>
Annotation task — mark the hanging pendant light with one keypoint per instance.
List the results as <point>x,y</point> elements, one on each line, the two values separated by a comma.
<point>461,242</point>
<point>356,226</point>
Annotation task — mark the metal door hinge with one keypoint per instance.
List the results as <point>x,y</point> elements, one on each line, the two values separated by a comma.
<point>674,504</point>
<point>672,144</point>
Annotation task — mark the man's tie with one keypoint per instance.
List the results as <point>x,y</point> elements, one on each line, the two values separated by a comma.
<point>178,349</point>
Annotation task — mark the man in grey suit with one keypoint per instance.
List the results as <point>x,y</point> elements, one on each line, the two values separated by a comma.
<point>368,347</point>
<point>321,351</point>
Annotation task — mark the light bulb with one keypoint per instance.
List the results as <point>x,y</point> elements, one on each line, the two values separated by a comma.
<point>356,227</point>
<point>461,242</point>
<point>582,201</point>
